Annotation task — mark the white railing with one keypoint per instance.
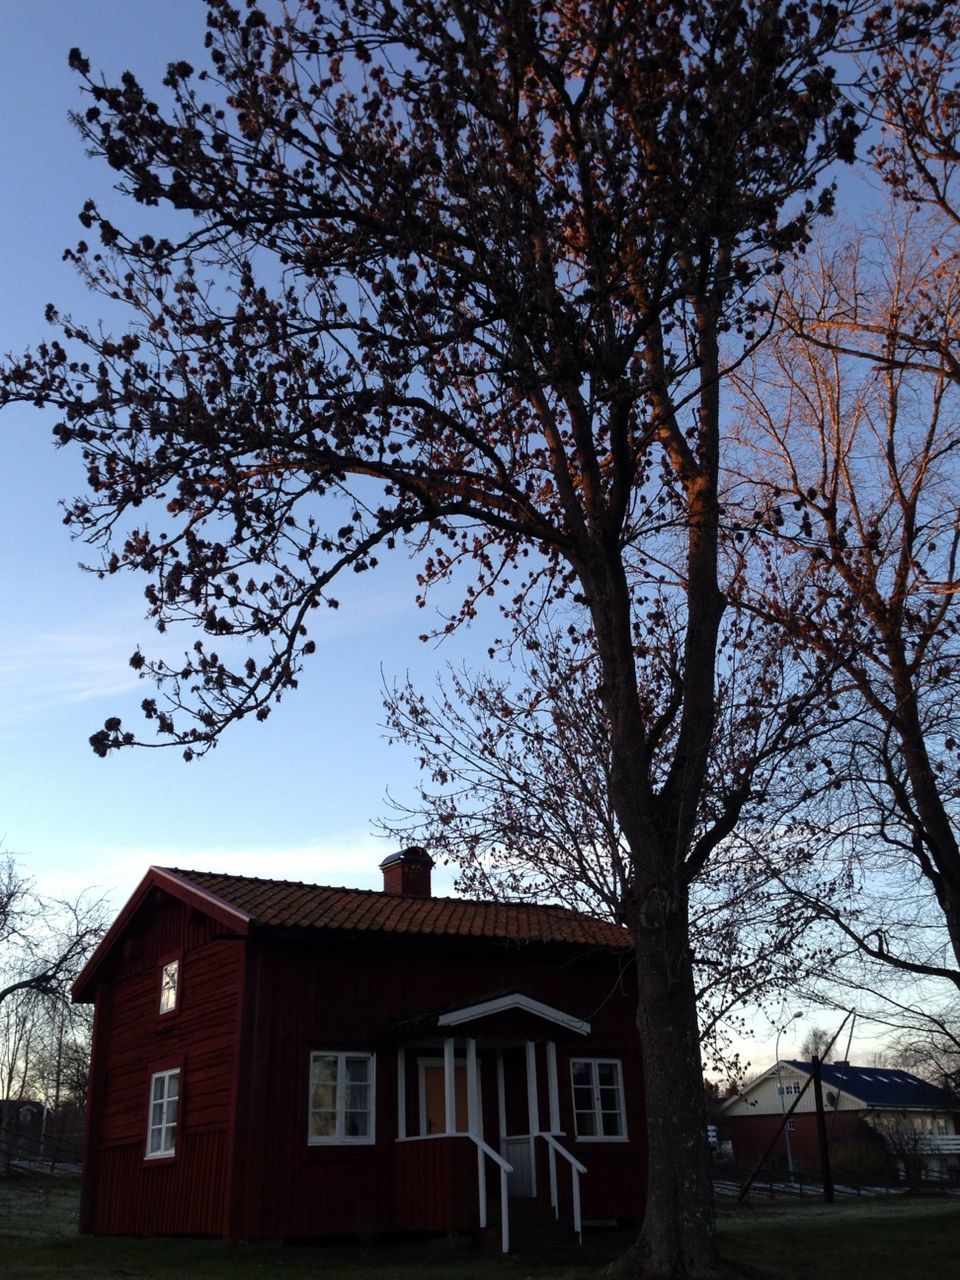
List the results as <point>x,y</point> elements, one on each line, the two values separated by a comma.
<point>576,1168</point>
<point>505,1168</point>
<point>937,1143</point>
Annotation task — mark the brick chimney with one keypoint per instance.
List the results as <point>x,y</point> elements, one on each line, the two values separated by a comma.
<point>407,873</point>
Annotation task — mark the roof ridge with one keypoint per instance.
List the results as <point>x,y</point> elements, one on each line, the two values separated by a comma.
<point>346,888</point>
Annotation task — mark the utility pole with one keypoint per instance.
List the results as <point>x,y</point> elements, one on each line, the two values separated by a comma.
<point>822,1130</point>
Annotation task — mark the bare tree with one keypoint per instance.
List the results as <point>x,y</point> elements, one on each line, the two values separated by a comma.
<point>858,466</point>
<point>815,1043</point>
<point>516,795</point>
<point>44,942</point>
<point>467,276</point>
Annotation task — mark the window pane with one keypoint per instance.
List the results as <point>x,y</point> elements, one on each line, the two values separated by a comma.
<point>609,1099</point>
<point>357,1097</point>
<point>173,1084</point>
<point>586,1124</point>
<point>356,1124</point>
<point>607,1073</point>
<point>322,1124</point>
<point>323,1097</point>
<point>582,1075</point>
<point>583,1099</point>
<point>158,1083</point>
<point>358,1070</point>
<point>325,1069</point>
<point>612,1125</point>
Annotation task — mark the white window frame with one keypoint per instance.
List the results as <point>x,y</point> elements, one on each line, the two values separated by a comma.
<point>169,991</point>
<point>599,1136</point>
<point>165,1127</point>
<point>339,1137</point>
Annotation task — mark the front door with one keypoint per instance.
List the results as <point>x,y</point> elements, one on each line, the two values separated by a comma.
<point>432,1107</point>
<point>517,1151</point>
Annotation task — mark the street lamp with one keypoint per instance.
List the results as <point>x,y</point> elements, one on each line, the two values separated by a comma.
<point>776,1052</point>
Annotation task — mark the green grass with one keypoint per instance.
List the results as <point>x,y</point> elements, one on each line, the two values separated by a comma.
<point>875,1240</point>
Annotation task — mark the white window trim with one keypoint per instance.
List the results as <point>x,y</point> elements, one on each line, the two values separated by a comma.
<point>600,1137</point>
<point>167,1128</point>
<point>339,1138</point>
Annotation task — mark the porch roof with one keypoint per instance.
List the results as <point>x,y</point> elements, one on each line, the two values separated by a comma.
<point>492,1004</point>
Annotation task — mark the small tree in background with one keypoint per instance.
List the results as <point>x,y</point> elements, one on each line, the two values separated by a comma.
<point>44,942</point>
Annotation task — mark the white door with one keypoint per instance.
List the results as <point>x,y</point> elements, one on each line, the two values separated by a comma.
<point>516,1151</point>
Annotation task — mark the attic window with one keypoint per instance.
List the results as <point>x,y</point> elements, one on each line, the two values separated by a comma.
<point>169,978</point>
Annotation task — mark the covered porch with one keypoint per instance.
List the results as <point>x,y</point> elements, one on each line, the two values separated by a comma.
<point>478,1107</point>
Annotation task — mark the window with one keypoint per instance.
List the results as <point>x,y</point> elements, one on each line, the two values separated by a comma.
<point>598,1098</point>
<point>341,1098</point>
<point>169,975</point>
<point>162,1122</point>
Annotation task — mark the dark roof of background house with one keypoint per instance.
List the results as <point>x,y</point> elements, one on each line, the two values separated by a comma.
<point>285,904</point>
<point>882,1086</point>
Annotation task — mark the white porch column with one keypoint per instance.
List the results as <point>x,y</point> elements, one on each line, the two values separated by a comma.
<point>533,1111</point>
<point>401,1093</point>
<point>533,1100</point>
<point>553,1100</point>
<point>473,1090</point>
<point>501,1097</point>
<point>475,1125</point>
<point>449,1087</point>
<point>553,1092</point>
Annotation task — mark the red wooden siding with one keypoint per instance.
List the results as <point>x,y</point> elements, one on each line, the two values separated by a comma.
<point>852,1143</point>
<point>181,1197</point>
<point>127,1193</point>
<point>435,1185</point>
<point>331,995</point>
<point>251,1010</point>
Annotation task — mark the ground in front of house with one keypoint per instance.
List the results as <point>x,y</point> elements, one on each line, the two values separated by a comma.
<point>877,1240</point>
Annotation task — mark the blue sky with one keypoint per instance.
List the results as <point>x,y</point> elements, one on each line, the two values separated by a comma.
<point>293,797</point>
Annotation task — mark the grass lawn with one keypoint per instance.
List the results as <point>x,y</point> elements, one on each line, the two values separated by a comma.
<point>876,1240</point>
<point>861,1240</point>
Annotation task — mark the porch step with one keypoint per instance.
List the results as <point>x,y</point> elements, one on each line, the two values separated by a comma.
<point>535,1232</point>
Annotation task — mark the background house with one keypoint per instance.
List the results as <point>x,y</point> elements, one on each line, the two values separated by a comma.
<point>878,1120</point>
<point>277,1060</point>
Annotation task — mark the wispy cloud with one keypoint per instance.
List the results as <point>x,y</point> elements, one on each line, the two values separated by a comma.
<point>60,668</point>
<point>351,859</point>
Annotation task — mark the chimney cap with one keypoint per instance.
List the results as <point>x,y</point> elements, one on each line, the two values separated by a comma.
<point>415,856</point>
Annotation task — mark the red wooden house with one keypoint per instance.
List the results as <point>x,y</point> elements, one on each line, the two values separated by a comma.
<point>278,1060</point>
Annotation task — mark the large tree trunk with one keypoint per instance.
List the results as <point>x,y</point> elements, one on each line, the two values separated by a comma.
<point>939,856</point>
<point>677,1239</point>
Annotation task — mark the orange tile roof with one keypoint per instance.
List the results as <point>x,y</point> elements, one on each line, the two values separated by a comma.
<point>286,904</point>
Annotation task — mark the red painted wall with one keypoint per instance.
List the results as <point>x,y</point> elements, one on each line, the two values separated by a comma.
<point>851,1143</point>
<point>124,1192</point>
<point>341,996</point>
<point>250,1012</point>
